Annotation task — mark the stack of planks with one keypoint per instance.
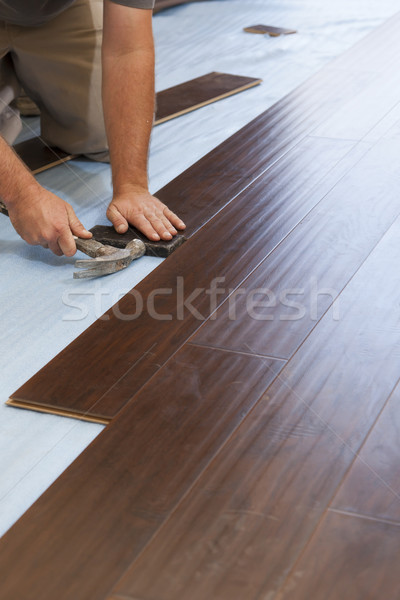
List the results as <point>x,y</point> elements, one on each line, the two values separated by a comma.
<point>252,450</point>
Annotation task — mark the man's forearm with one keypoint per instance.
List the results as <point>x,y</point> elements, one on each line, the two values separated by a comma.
<point>17,184</point>
<point>128,100</point>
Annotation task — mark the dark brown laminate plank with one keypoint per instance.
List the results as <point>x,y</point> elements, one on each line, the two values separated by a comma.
<point>372,486</point>
<point>171,103</point>
<point>294,286</point>
<point>242,526</point>
<point>349,558</point>
<point>99,372</point>
<point>193,94</point>
<point>38,156</point>
<point>77,541</point>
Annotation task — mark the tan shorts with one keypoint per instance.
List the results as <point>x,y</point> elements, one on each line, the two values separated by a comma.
<point>59,66</point>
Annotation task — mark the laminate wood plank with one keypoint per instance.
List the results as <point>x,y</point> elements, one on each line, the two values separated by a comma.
<point>245,522</point>
<point>372,486</point>
<point>278,305</point>
<point>349,558</point>
<point>38,156</point>
<point>171,103</point>
<point>86,529</point>
<point>198,92</point>
<point>107,374</point>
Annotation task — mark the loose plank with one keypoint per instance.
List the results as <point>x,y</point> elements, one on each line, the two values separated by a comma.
<point>372,486</point>
<point>349,558</point>
<point>38,156</point>
<point>171,103</point>
<point>271,31</point>
<point>241,528</point>
<point>194,94</point>
<point>87,528</point>
<point>117,355</point>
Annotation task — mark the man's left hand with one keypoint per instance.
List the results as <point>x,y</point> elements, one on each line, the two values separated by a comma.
<point>139,208</point>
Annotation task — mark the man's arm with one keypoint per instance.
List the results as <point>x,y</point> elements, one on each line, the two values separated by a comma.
<point>128,100</point>
<point>40,217</point>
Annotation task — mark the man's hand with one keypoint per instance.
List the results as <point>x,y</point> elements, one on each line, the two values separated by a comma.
<point>48,221</point>
<point>139,208</point>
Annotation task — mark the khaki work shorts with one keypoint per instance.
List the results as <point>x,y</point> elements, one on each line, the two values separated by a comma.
<point>59,66</point>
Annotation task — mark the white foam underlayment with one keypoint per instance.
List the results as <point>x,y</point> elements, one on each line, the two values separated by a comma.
<point>37,289</point>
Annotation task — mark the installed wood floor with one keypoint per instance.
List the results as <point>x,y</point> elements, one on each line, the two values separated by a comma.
<point>252,451</point>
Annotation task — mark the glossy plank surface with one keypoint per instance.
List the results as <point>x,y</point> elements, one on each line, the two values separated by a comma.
<point>349,558</point>
<point>88,527</point>
<point>38,156</point>
<point>193,94</point>
<point>98,379</point>
<point>197,195</point>
<point>242,526</point>
<point>372,486</point>
<point>277,306</point>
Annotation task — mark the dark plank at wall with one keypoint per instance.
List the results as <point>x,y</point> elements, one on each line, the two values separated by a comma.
<point>86,529</point>
<point>372,486</point>
<point>349,558</point>
<point>243,525</point>
<point>297,282</point>
<point>107,374</point>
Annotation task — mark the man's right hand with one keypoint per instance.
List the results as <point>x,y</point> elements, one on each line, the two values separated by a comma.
<point>45,219</point>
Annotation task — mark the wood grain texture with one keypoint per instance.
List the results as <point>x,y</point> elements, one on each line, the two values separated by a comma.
<point>372,486</point>
<point>223,253</point>
<point>193,94</point>
<point>197,195</point>
<point>349,558</point>
<point>241,528</point>
<point>87,528</point>
<point>38,156</point>
<point>278,305</point>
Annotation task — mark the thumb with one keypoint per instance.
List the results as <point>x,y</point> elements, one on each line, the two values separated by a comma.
<point>76,226</point>
<point>119,222</point>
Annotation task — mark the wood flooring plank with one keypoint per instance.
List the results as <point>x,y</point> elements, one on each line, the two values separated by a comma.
<point>80,537</point>
<point>170,103</point>
<point>372,486</point>
<point>135,343</point>
<point>242,526</point>
<point>38,156</point>
<point>278,305</point>
<point>198,92</point>
<point>349,558</point>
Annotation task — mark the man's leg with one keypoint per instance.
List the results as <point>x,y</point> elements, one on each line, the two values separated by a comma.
<point>10,122</point>
<point>59,66</point>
